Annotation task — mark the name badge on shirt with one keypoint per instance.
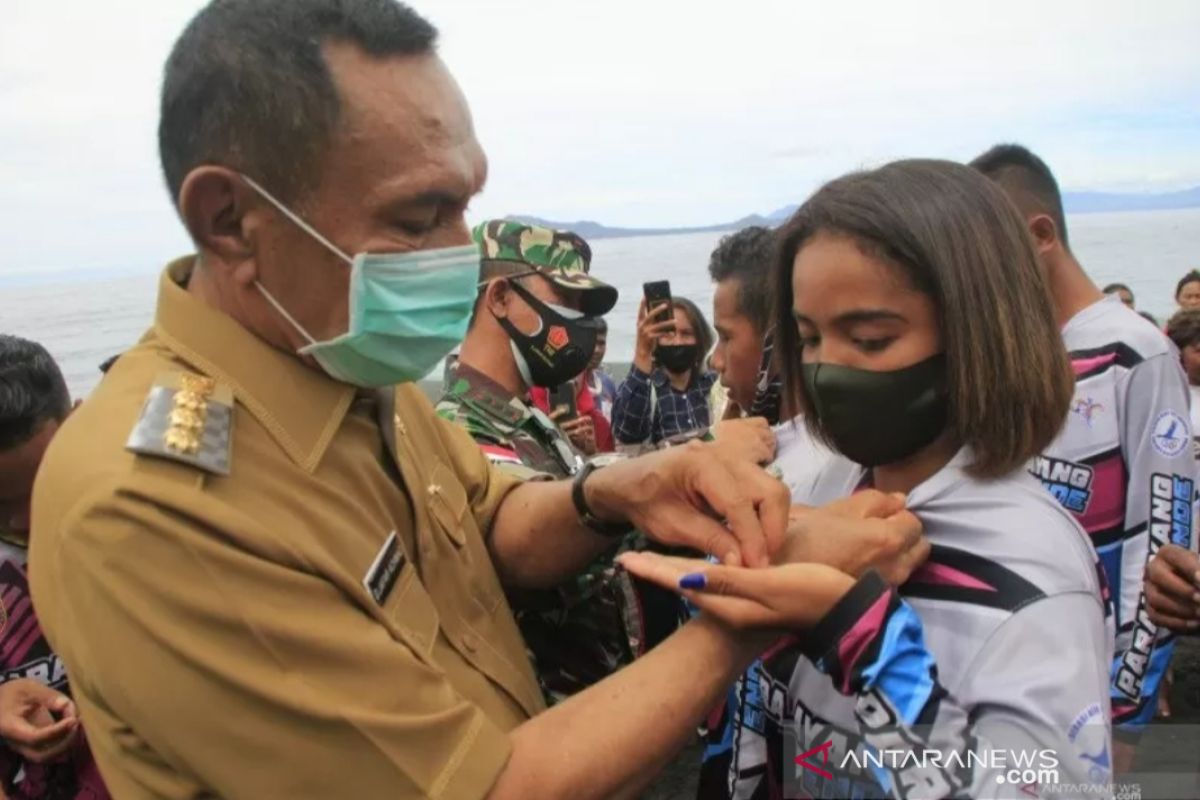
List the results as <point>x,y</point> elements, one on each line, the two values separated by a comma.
<point>385,569</point>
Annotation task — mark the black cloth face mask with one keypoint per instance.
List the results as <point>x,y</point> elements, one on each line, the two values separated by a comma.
<point>876,418</point>
<point>559,350</point>
<point>677,358</point>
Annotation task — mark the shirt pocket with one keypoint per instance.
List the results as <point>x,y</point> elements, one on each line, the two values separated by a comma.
<point>410,608</point>
<point>450,511</point>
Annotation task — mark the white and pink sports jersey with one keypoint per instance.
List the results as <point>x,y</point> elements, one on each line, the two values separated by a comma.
<point>1123,466</point>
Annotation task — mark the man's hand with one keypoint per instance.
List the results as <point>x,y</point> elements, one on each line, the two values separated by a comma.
<point>1173,589</point>
<point>678,497</point>
<point>868,530</point>
<point>749,438</point>
<point>786,597</point>
<point>27,724</point>
<point>582,433</point>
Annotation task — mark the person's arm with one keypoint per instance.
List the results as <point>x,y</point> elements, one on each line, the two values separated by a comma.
<point>537,538</point>
<point>1158,511</point>
<point>1030,690</point>
<point>612,739</point>
<point>1016,700</point>
<point>339,701</point>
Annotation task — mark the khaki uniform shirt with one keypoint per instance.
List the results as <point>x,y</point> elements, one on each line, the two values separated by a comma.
<point>261,634</point>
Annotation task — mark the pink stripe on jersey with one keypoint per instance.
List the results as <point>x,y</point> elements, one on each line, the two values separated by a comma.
<point>1106,507</point>
<point>1083,365</point>
<point>947,576</point>
<point>859,637</point>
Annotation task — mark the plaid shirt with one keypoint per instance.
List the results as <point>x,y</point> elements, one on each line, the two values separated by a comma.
<point>635,418</point>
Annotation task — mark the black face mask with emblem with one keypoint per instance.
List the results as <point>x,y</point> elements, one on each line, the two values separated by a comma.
<point>561,348</point>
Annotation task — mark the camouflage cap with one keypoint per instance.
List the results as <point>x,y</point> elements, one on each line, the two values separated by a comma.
<point>561,256</point>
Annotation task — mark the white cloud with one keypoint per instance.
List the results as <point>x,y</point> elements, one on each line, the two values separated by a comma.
<point>654,112</point>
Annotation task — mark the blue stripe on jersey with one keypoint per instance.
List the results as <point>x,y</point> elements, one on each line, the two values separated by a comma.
<point>1110,560</point>
<point>905,664</point>
<point>1160,659</point>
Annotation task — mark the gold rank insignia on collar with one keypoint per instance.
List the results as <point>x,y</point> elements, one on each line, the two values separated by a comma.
<point>186,418</point>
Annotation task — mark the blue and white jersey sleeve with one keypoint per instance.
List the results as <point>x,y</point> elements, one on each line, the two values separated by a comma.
<point>1156,446</point>
<point>1026,725</point>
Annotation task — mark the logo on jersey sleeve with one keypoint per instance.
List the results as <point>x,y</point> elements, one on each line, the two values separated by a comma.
<point>1170,434</point>
<point>1070,483</point>
<point>1086,408</point>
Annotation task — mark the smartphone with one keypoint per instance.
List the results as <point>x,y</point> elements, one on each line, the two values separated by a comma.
<point>563,396</point>
<point>658,292</point>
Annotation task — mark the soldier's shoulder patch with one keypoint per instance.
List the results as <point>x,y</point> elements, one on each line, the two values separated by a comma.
<point>186,418</point>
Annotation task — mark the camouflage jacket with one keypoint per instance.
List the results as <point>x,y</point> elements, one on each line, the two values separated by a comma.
<point>510,431</point>
<point>587,628</point>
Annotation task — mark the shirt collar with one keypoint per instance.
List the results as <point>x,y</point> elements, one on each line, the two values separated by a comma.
<point>299,406</point>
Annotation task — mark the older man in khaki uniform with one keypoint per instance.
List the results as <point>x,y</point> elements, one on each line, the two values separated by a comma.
<point>269,577</point>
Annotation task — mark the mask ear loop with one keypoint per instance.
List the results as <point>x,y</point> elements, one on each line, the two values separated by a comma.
<point>299,221</point>
<point>283,312</point>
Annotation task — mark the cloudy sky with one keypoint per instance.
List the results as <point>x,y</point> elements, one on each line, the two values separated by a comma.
<point>646,113</point>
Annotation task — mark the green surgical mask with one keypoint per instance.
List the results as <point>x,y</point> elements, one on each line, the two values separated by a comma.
<point>407,310</point>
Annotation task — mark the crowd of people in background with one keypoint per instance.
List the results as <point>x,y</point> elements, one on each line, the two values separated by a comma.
<point>916,439</point>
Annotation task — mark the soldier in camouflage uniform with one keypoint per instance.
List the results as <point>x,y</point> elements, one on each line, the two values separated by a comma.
<point>582,631</point>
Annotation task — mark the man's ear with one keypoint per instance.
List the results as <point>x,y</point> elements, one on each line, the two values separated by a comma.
<point>496,297</point>
<point>1044,233</point>
<point>213,202</point>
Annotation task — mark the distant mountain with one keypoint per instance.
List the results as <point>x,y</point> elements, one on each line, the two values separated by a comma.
<point>594,230</point>
<point>1075,202</point>
<point>1090,202</point>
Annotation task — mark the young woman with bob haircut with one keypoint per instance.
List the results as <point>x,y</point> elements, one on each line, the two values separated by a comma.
<point>917,336</point>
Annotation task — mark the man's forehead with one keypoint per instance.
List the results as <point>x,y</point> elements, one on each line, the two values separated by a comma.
<point>404,128</point>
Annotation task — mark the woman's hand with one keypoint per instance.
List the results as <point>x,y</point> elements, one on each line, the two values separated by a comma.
<point>649,330</point>
<point>785,597</point>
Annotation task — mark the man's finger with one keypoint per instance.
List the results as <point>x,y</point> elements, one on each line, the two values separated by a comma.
<point>719,486</point>
<point>772,502</point>
<point>18,731</point>
<point>1182,560</point>
<point>868,503</point>
<point>1165,604</point>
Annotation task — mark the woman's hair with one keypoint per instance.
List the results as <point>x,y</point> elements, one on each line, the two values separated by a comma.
<point>704,334</point>
<point>1191,277</point>
<point>1183,328</point>
<point>955,237</point>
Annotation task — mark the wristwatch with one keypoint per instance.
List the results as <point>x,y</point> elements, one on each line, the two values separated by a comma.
<point>593,523</point>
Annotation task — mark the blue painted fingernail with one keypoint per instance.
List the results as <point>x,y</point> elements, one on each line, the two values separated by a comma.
<point>693,580</point>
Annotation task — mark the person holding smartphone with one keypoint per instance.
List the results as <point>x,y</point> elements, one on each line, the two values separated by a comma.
<point>666,391</point>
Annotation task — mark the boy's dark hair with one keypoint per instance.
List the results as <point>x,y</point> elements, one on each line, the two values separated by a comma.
<point>1191,277</point>
<point>1117,287</point>
<point>747,257</point>
<point>1183,328</point>
<point>952,235</point>
<point>1027,181</point>
<point>32,390</point>
<point>247,86</point>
